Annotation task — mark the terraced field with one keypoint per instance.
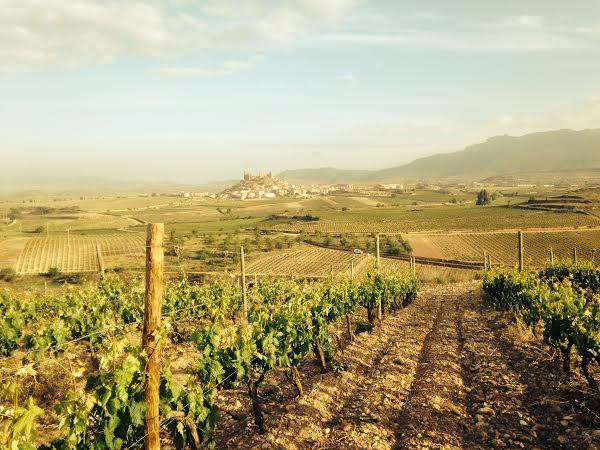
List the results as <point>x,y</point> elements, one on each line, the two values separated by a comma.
<point>75,253</point>
<point>309,261</point>
<point>503,246</point>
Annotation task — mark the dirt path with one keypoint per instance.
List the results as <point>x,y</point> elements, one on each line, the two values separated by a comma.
<point>446,372</point>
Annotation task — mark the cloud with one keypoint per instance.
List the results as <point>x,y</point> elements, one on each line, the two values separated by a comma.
<point>226,68</point>
<point>459,41</point>
<point>505,119</point>
<point>523,22</point>
<point>522,33</point>
<point>347,77</point>
<point>73,32</point>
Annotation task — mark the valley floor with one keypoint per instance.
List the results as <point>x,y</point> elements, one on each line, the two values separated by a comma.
<point>446,372</point>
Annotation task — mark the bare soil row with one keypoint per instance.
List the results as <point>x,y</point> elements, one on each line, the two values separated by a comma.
<point>446,372</point>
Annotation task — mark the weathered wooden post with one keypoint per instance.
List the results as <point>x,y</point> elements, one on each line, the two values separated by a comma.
<point>520,251</point>
<point>152,314</point>
<point>379,308</point>
<point>331,273</point>
<point>489,264</point>
<point>575,255</point>
<point>414,267</point>
<point>243,280</point>
<point>100,260</point>
<point>485,261</point>
<point>551,255</point>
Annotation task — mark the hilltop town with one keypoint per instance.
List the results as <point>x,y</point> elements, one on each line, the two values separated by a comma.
<point>265,185</point>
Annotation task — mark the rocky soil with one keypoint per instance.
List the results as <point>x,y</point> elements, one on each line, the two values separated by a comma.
<point>446,372</point>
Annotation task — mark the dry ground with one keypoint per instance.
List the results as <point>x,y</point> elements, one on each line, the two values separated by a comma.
<point>445,372</point>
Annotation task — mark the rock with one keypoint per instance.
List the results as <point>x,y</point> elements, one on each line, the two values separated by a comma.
<point>346,426</point>
<point>564,423</point>
<point>522,422</point>
<point>237,404</point>
<point>563,439</point>
<point>478,418</point>
<point>486,410</point>
<point>238,415</point>
<point>455,410</point>
<point>327,430</point>
<point>524,438</point>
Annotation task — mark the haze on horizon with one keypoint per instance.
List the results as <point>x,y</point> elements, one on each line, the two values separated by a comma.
<point>198,91</point>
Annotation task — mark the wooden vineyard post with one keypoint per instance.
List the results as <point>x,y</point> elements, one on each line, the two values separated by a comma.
<point>243,281</point>
<point>520,251</point>
<point>152,313</point>
<point>551,255</point>
<point>379,309</point>
<point>485,262</point>
<point>489,264</point>
<point>348,321</point>
<point>100,260</point>
<point>575,255</point>
<point>255,279</point>
<point>414,266</point>
<point>331,274</point>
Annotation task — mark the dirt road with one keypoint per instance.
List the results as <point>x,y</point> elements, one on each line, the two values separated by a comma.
<point>443,373</point>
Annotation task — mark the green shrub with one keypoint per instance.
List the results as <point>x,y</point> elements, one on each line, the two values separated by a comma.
<point>7,274</point>
<point>53,272</point>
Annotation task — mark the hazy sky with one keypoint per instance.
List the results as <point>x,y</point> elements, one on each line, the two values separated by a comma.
<point>198,90</point>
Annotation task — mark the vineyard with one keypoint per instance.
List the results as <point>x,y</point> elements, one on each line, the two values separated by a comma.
<point>76,253</point>
<point>310,261</point>
<point>561,302</point>
<point>91,339</point>
<point>402,220</point>
<point>503,246</point>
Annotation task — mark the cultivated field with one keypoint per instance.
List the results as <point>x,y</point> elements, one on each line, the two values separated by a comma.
<point>310,261</point>
<point>76,253</point>
<point>402,220</point>
<point>503,246</point>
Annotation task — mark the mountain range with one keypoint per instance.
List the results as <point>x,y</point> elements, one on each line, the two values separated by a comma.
<point>560,150</point>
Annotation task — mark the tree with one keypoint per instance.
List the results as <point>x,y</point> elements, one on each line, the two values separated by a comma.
<point>483,198</point>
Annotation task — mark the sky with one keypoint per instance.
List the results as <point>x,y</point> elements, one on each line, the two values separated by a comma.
<point>197,91</point>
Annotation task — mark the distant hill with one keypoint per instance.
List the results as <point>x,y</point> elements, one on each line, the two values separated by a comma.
<point>546,151</point>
